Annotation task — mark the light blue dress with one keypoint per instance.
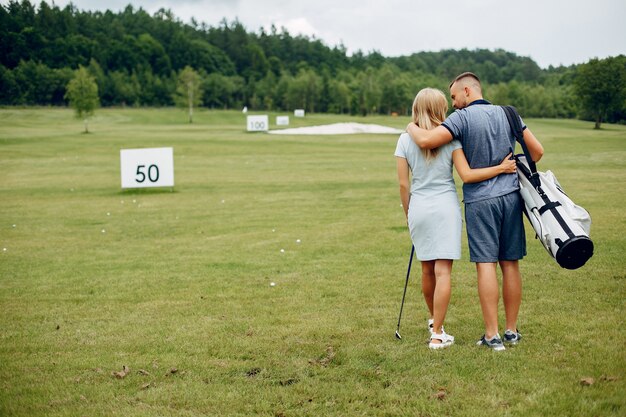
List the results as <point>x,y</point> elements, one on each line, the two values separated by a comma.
<point>434,211</point>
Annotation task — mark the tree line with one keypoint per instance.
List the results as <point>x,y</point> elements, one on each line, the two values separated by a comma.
<point>138,59</point>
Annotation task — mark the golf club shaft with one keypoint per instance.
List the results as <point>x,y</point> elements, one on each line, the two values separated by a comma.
<point>408,273</point>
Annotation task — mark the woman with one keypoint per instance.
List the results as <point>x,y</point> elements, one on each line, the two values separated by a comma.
<point>432,208</point>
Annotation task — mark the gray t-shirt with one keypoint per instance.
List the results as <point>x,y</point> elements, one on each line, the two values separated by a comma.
<point>486,136</point>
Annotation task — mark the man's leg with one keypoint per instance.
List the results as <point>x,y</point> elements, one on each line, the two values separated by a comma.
<point>484,220</point>
<point>511,292</point>
<point>512,247</point>
<point>489,295</point>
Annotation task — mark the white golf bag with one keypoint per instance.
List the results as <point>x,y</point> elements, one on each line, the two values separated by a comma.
<point>562,226</point>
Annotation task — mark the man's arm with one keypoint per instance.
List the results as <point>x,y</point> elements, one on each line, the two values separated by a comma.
<point>429,139</point>
<point>534,147</point>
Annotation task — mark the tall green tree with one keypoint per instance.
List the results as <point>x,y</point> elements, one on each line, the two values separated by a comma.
<point>189,90</point>
<point>304,90</point>
<point>368,92</point>
<point>340,98</point>
<point>136,59</point>
<point>601,87</point>
<point>82,93</point>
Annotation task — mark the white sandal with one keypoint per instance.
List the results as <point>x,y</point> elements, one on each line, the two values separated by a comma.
<point>446,340</point>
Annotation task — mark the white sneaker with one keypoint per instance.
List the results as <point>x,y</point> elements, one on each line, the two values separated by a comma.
<point>446,340</point>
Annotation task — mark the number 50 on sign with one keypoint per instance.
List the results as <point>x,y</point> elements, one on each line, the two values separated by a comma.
<point>150,167</point>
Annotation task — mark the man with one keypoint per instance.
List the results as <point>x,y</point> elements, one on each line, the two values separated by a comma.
<point>493,208</point>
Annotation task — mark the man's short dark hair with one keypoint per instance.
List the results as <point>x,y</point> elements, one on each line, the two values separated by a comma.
<point>465,75</point>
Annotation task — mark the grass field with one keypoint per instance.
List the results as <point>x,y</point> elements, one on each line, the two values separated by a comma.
<point>174,284</point>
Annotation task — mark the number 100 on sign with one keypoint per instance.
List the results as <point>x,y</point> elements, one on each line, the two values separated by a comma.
<point>258,123</point>
<point>150,167</point>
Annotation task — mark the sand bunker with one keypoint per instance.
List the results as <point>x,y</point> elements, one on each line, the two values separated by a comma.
<point>338,129</point>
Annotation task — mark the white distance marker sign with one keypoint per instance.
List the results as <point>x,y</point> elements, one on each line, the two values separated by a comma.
<point>282,120</point>
<point>258,123</point>
<point>149,167</point>
<point>298,112</point>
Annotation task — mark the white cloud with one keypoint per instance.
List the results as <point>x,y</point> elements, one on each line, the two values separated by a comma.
<point>295,26</point>
<point>549,31</point>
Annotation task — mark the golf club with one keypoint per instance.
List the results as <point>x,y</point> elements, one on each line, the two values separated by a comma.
<point>408,273</point>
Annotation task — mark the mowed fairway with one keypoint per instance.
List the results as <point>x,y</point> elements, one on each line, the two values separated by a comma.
<point>174,284</point>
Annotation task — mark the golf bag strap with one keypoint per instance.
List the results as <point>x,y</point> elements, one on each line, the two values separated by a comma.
<point>549,206</point>
<point>516,126</point>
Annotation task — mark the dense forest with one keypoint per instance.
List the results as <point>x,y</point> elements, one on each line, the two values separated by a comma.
<point>136,59</point>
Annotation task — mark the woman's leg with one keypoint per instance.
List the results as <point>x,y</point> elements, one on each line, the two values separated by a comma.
<point>441,297</point>
<point>428,284</point>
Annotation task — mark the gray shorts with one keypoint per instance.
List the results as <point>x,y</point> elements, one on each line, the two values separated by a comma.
<point>495,229</point>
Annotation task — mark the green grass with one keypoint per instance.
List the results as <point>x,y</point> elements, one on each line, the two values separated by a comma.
<point>180,278</point>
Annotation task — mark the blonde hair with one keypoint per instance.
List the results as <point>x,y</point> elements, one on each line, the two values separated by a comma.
<point>429,111</point>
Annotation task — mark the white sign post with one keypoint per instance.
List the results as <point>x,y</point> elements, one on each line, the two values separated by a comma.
<point>258,123</point>
<point>282,120</point>
<point>149,167</point>
<point>298,113</point>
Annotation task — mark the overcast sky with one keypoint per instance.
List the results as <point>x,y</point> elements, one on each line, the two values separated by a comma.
<point>561,32</point>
